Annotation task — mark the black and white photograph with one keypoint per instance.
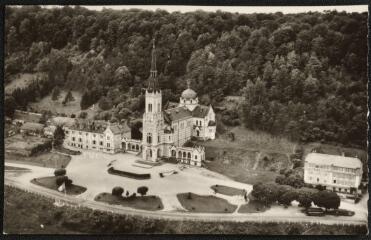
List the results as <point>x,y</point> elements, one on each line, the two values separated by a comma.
<point>185,119</point>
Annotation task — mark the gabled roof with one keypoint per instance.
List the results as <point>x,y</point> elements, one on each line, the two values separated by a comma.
<point>62,121</point>
<point>336,160</point>
<point>177,113</point>
<point>200,111</point>
<point>118,129</point>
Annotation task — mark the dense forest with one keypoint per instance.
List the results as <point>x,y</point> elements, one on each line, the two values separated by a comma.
<point>302,75</point>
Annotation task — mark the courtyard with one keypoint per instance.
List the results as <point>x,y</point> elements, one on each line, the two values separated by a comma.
<point>89,170</point>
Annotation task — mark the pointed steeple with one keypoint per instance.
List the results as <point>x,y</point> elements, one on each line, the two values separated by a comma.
<point>152,81</point>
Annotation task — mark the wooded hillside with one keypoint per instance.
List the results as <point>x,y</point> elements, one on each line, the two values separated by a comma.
<point>303,75</point>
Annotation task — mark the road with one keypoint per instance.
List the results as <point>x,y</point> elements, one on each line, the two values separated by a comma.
<point>77,202</point>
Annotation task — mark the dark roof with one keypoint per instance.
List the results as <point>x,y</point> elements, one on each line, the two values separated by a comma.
<point>118,129</point>
<point>177,113</point>
<point>30,126</point>
<point>212,123</point>
<point>170,104</point>
<point>89,126</point>
<point>200,111</point>
<point>27,116</point>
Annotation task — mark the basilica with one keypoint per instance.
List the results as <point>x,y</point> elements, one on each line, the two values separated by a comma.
<point>166,132</point>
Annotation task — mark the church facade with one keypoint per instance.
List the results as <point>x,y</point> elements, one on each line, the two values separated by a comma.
<point>166,132</point>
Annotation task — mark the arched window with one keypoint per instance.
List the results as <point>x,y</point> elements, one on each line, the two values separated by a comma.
<point>158,107</point>
<point>137,147</point>
<point>179,154</point>
<point>173,153</point>
<point>150,153</point>
<point>158,153</point>
<point>150,107</point>
<point>189,155</point>
<point>149,138</point>
<point>184,154</point>
<point>196,122</point>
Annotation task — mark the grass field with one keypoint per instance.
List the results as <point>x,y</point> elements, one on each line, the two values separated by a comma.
<point>252,206</point>
<point>72,107</point>
<point>25,213</point>
<point>21,81</point>
<point>230,191</point>
<point>23,144</point>
<point>49,182</point>
<point>205,204</point>
<point>150,203</point>
<point>50,160</point>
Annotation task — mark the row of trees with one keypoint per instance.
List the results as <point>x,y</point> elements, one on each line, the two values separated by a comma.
<point>269,193</point>
<point>302,75</point>
<point>118,191</point>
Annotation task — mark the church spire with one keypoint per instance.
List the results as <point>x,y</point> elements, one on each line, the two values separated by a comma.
<point>152,81</point>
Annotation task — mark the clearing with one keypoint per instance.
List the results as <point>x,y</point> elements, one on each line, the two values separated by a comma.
<point>149,203</point>
<point>20,81</point>
<point>50,182</point>
<point>56,107</point>
<point>205,204</point>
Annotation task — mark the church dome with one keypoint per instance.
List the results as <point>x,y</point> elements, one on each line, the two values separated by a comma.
<point>189,94</point>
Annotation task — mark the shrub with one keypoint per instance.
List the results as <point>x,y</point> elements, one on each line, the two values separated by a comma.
<point>326,199</point>
<point>60,180</point>
<point>83,115</point>
<point>189,196</point>
<point>68,182</point>
<point>142,190</point>
<point>60,172</point>
<point>117,191</point>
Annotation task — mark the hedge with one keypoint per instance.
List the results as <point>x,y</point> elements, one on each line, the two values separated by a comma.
<point>139,176</point>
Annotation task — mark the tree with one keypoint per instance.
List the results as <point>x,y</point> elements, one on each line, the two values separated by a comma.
<point>58,136</point>
<point>83,115</point>
<point>326,199</point>
<point>266,193</point>
<point>117,191</point>
<point>68,97</point>
<point>59,180</point>
<point>60,172</point>
<point>55,93</point>
<point>9,106</point>
<point>142,190</point>
<point>104,103</point>
<point>288,197</point>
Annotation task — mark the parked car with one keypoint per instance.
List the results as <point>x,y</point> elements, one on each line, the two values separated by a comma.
<point>315,212</point>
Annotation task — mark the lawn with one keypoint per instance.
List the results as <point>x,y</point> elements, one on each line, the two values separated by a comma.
<point>20,81</point>
<point>25,212</point>
<point>49,182</point>
<point>55,107</point>
<point>149,203</point>
<point>253,206</point>
<point>64,150</point>
<point>23,145</point>
<point>205,204</point>
<point>11,168</point>
<point>48,159</point>
<point>230,191</point>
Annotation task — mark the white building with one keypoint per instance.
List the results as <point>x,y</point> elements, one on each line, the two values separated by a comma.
<point>166,131</point>
<point>336,173</point>
<point>97,135</point>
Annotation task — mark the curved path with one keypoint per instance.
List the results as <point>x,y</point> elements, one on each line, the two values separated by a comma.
<point>77,202</point>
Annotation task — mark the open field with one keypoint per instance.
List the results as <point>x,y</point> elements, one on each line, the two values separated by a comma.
<point>20,81</point>
<point>23,145</point>
<point>150,203</point>
<point>34,210</point>
<point>49,160</point>
<point>50,182</point>
<point>55,107</point>
<point>205,204</point>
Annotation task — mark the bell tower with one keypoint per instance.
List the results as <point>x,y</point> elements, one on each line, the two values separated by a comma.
<point>152,117</point>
